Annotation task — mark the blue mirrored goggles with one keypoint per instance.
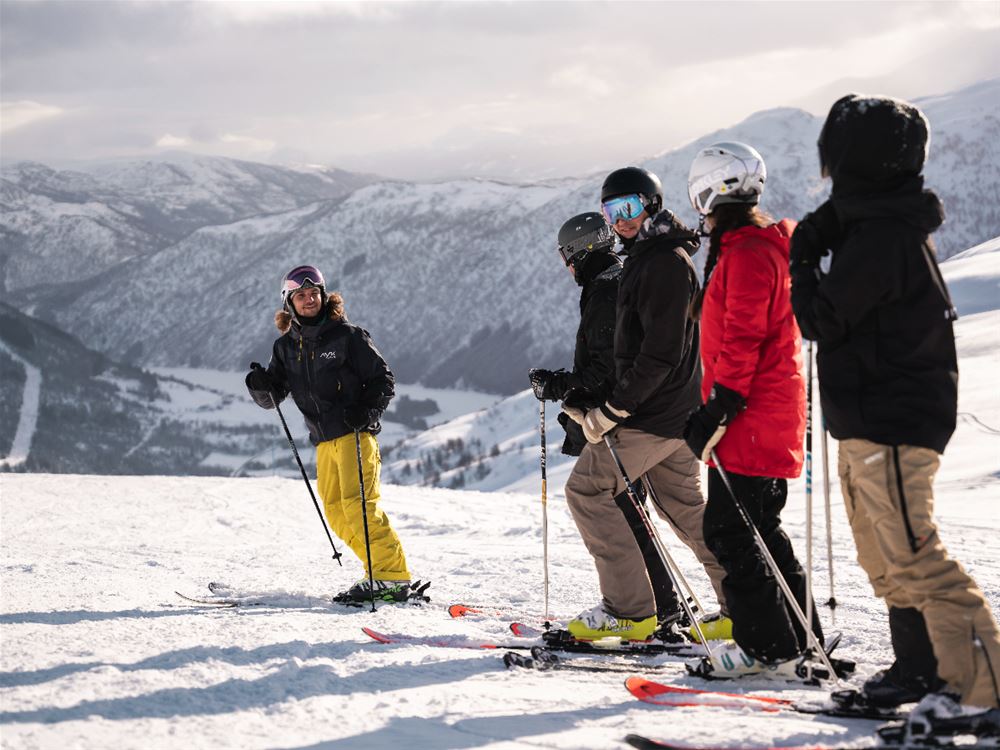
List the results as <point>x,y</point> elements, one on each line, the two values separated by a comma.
<point>624,207</point>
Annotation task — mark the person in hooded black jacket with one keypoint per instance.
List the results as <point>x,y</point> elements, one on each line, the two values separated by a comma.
<point>888,374</point>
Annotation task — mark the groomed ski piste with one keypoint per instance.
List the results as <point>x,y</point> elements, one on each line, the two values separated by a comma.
<point>99,652</point>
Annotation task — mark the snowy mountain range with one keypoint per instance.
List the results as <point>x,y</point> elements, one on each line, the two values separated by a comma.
<point>178,264</point>
<point>99,651</point>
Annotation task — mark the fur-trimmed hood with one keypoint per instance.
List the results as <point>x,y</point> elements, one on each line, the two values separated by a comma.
<point>334,308</point>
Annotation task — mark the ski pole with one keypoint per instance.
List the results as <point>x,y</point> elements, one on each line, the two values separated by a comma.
<point>832,601</point>
<point>305,478</point>
<point>665,553</point>
<point>364,515</point>
<point>545,509</point>
<point>660,548</point>
<point>778,575</point>
<point>809,483</point>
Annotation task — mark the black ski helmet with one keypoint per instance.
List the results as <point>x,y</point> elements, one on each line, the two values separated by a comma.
<point>873,140</point>
<point>586,232</point>
<point>630,180</point>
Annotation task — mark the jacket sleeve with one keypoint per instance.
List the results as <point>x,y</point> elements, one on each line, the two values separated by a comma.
<point>378,385</point>
<point>663,304</point>
<point>598,326</point>
<point>751,281</point>
<point>861,277</point>
<point>276,371</point>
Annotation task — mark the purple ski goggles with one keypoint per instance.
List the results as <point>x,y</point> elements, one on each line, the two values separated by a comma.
<point>301,277</point>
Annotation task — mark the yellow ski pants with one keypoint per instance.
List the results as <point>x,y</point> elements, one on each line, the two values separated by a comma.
<point>337,479</point>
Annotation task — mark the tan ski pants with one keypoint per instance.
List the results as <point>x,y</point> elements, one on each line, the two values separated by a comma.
<point>888,492</point>
<point>673,472</point>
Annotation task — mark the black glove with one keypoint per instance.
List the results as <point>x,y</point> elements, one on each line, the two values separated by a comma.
<point>357,417</point>
<point>548,385</point>
<point>581,398</point>
<point>258,379</point>
<point>814,236</point>
<point>706,426</point>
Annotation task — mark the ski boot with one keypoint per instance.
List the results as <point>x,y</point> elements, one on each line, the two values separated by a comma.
<point>395,592</point>
<point>597,623</point>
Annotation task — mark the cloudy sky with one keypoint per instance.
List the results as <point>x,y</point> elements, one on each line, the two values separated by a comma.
<point>433,89</point>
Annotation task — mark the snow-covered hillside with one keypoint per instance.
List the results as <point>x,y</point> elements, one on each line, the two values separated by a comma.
<point>99,652</point>
<point>62,228</point>
<point>457,281</point>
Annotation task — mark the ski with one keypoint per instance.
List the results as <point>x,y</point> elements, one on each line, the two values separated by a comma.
<point>456,641</point>
<point>843,704</point>
<point>225,597</point>
<point>920,731</point>
<point>568,644</point>
<point>645,743</point>
<point>484,611</point>
<point>218,601</point>
<point>672,695</point>
<point>544,660</point>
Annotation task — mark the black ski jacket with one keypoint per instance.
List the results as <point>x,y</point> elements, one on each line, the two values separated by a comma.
<point>593,358</point>
<point>882,319</point>
<point>325,368</point>
<point>657,369</point>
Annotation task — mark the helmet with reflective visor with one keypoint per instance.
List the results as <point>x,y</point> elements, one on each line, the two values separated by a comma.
<point>728,172</point>
<point>302,277</point>
<point>587,232</point>
<point>634,180</point>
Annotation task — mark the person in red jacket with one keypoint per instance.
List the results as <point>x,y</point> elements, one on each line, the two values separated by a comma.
<point>754,411</point>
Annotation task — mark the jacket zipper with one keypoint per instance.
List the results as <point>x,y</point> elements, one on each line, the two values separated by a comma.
<point>312,394</point>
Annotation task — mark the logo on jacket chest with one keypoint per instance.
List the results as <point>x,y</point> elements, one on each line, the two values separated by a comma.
<point>328,355</point>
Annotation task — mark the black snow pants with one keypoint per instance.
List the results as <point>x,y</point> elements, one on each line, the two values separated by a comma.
<point>763,624</point>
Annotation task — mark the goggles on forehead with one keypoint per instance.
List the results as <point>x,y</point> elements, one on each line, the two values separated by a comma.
<point>624,207</point>
<point>303,276</point>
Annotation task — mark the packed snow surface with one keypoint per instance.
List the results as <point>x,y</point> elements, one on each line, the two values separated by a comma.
<point>98,650</point>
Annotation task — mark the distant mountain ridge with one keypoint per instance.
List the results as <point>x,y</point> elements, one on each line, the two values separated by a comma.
<point>458,282</point>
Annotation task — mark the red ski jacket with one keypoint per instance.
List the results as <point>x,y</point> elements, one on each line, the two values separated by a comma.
<point>751,343</point>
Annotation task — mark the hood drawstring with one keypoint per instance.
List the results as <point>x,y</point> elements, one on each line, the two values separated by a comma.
<point>300,349</point>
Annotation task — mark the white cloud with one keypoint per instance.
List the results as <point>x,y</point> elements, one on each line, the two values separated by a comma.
<point>268,11</point>
<point>255,145</point>
<point>580,77</point>
<point>172,141</point>
<point>21,113</point>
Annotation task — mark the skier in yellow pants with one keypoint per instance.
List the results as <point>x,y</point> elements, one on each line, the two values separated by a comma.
<point>337,479</point>
<point>342,385</point>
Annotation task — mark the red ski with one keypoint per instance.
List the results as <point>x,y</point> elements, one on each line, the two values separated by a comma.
<point>671,695</point>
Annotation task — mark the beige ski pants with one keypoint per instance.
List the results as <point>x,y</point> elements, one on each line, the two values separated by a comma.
<point>674,474</point>
<point>888,492</point>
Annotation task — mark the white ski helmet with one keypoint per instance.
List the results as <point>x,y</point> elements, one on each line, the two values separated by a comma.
<point>727,172</point>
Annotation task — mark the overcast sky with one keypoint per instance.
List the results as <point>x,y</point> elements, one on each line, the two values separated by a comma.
<point>428,90</point>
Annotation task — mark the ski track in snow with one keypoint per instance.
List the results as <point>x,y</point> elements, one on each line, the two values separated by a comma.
<point>28,419</point>
<point>98,651</point>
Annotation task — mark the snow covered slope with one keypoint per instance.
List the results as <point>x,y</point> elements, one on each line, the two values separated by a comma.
<point>98,651</point>
<point>456,281</point>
